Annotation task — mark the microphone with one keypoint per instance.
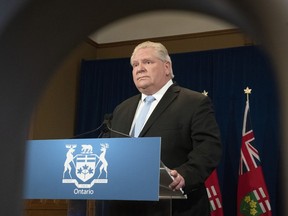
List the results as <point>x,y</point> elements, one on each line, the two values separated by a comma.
<point>105,127</point>
<point>106,123</point>
<point>107,118</point>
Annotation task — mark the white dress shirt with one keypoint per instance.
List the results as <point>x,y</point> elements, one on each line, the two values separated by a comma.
<point>158,95</point>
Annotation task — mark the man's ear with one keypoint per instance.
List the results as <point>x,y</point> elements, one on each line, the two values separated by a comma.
<point>168,67</point>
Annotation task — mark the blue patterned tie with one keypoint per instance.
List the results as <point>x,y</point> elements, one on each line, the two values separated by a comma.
<point>142,116</point>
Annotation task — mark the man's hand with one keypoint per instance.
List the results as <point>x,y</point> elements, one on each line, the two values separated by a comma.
<point>178,181</point>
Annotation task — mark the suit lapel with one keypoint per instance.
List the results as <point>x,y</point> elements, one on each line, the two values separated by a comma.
<point>165,102</point>
<point>129,114</point>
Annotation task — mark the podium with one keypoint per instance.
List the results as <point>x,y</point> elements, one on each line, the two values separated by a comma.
<point>104,169</point>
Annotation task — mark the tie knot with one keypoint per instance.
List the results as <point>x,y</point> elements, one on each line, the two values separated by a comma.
<point>149,99</point>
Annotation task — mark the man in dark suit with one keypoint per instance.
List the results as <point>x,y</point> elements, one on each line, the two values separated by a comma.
<point>185,121</point>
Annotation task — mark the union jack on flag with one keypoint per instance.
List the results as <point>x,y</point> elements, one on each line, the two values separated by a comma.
<point>249,159</point>
<point>252,197</point>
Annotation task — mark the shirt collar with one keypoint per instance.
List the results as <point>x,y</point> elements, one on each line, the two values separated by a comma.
<point>158,95</point>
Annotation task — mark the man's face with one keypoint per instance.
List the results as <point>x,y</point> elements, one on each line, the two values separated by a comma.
<point>150,73</point>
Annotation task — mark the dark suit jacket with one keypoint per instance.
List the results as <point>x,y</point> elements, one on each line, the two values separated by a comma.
<point>190,140</point>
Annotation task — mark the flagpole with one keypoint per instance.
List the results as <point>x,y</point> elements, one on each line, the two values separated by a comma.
<point>247,91</point>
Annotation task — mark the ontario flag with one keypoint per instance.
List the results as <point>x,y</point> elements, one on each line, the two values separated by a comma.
<point>214,194</point>
<point>252,197</point>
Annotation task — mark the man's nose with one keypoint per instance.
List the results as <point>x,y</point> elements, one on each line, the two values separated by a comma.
<point>140,68</point>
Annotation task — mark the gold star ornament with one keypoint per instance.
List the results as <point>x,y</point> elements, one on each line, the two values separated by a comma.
<point>247,90</point>
<point>205,93</point>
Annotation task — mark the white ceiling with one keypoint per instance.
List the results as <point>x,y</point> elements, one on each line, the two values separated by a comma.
<point>158,24</point>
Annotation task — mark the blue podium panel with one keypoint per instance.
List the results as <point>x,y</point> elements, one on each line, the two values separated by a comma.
<point>101,169</point>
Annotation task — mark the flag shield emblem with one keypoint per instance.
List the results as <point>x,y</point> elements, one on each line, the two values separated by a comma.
<point>250,206</point>
<point>85,166</point>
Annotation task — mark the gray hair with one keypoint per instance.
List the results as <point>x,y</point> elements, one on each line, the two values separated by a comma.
<point>161,52</point>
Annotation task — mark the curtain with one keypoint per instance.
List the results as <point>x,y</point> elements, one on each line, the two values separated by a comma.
<point>224,74</point>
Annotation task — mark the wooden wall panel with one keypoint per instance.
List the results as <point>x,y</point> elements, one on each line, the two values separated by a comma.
<point>45,208</point>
